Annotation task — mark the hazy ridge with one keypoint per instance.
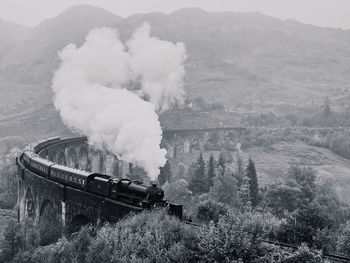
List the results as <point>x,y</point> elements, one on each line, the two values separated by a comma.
<point>233,58</point>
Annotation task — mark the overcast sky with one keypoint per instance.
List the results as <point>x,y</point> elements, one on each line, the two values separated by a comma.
<point>332,13</point>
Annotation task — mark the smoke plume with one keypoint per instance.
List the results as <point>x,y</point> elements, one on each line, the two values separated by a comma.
<point>112,92</point>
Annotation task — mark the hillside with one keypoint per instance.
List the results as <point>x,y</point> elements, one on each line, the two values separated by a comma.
<point>34,59</point>
<point>26,107</point>
<point>272,163</point>
<point>243,58</point>
<point>10,35</point>
<point>249,62</point>
<point>238,59</point>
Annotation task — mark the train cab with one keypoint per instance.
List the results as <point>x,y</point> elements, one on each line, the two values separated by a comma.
<point>136,192</point>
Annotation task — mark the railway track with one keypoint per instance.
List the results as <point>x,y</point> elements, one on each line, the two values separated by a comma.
<point>329,256</point>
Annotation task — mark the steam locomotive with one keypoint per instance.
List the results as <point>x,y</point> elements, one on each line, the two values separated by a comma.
<point>132,192</point>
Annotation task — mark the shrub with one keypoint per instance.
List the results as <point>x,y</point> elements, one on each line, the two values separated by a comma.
<point>237,237</point>
<point>304,255</point>
<point>177,192</point>
<point>210,210</point>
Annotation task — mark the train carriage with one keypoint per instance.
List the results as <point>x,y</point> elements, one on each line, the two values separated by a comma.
<point>40,165</point>
<point>69,176</point>
<point>27,156</point>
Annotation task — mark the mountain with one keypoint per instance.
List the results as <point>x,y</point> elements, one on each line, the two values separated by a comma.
<point>240,59</point>
<point>34,59</point>
<point>245,61</point>
<point>26,107</point>
<point>10,34</point>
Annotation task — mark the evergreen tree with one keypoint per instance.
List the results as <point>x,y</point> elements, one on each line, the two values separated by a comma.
<point>239,172</point>
<point>326,108</point>
<point>225,189</point>
<point>253,182</point>
<point>165,174</point>
<point>211,171</point>
<point>222,162</point>
<point>198,182</point>
<point>181,170</point>
<point>12,241</point>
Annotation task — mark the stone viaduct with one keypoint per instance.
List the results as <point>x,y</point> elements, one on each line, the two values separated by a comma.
<point>43,200</point>
<point>188,140</point>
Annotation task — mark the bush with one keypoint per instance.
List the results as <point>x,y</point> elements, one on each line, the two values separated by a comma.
<point>304,255</point>
<point>146,237</point>
<point>344,239</point>
<point>177,192</point>
<point>225,189</point>
<point>210,210</point>
<point>237,237</point>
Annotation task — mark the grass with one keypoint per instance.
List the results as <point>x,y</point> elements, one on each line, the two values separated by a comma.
<point>272,162</point>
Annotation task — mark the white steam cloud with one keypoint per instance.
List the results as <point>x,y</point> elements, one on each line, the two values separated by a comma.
<point>112,92</point>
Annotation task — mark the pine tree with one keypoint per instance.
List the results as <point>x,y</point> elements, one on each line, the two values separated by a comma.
<point>12,241</point>
<point>165,174</point>
<point>198,182</point>
<point>239,172</point>
<point>211,171</point>
<point>253,182</point>
<point>222,161</point>
<point>326,108</point>
<point>244,199</point>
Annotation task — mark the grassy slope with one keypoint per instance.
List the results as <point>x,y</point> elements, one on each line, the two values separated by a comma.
<point>272,163</point>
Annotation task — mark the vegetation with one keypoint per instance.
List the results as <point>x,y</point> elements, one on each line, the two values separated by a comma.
<point>253,182</point>
<point>8,179</point>
<point>237,219</point>
<point>198,182</point>
<point>164,174</point>
<point>211,170</point>
<point>156,237</point>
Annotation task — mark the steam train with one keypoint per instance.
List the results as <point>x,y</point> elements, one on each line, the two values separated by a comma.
<point>125,190</point>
